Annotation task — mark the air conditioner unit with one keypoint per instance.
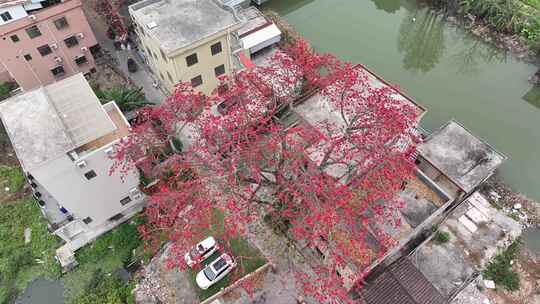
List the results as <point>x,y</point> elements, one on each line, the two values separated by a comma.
<point>81,164</point>
<point>54,46</point>
<point>58,59</point>
<point>110,151</point>
<point>84,49</point>
<point>80,35</point>
<point>32,17</point>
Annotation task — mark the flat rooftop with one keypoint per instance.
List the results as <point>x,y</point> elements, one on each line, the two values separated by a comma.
<point>254,20</point>
<point>460,155</point>
<point>477,232</point>
<point>48,122</point>
<point>176,24</point>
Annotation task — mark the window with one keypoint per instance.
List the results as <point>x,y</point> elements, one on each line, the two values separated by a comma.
<point>14,38</point>
<point>81,60</point>
<point>170,77</point>
<point>6,16</point>
<point>220,70</point>
<point>87,220</point>
<point>28,57</point>
<point>192,59</point>
<point>197,81</point>
<point>215,48</point>
<point>44,50</point>
<point>61,23</point>
<point>117,217</point>
<point>71,41</point>
<point>33,32</point>
<point>90,174</point>
<point>163,55</point>
<point>126,200</point>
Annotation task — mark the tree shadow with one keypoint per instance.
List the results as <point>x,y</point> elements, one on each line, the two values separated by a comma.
<point>422,40</point>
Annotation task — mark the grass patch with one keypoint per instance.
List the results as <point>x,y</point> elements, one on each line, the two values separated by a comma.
<point>500,268</point>
<point>247,257</point>
<point>22,263</point>
<point>11,177</point>
<point>441,237</point>
<point>99,260</point>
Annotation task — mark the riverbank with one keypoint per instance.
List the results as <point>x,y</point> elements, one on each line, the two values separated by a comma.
<point>485,20</point>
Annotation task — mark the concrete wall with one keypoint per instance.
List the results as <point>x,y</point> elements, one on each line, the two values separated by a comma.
<point>99,197</point>
<point>37,72</point>
<point>176,65</point>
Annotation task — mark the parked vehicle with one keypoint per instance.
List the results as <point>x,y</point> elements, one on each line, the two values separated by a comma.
<point>132,65</point>
<point>201,251</point>
<point>215,271</point>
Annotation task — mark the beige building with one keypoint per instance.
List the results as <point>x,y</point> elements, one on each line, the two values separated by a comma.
<point>186,40</point>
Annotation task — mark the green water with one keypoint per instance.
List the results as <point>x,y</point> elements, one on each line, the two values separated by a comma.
<point>452,74</point>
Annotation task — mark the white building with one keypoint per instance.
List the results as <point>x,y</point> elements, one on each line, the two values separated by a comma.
<point>64,139</point>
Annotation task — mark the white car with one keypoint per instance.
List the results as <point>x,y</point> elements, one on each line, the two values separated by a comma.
<point>215,271</point>
<point>201,251</point>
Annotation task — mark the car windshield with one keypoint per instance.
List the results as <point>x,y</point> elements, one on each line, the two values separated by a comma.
<point>194,253</point>
<point>210,275</point>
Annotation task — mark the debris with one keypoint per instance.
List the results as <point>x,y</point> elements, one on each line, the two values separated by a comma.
<point>494,195</point>
<point>489,284</point>
<point>486,301</point>
<point>27,234</point>
<point>6,189</point>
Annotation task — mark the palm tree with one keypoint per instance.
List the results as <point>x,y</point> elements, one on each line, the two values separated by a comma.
<point>127,99</point>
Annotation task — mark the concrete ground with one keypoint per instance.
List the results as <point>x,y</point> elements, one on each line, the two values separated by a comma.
<point>142,78</point>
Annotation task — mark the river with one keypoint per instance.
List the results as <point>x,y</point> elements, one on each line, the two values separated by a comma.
<point>446,69</point>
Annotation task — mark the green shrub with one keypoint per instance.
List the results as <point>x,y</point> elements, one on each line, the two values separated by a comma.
<point>500,268</point>
<point>6,88</point>
<point>441,237</point>
<point>107,290</point>
<point>20,262</point>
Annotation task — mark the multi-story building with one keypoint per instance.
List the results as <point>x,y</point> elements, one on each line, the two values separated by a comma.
<point>186,40</point>
<point>65,139</point>
<point>44,41</point>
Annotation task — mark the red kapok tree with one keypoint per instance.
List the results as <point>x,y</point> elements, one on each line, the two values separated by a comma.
<point>329,178</point>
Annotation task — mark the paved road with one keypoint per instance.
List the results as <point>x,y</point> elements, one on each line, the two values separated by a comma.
<point>141,78</point>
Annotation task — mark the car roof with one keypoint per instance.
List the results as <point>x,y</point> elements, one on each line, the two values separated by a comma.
<point>221,262</point>
<point>208,242</point>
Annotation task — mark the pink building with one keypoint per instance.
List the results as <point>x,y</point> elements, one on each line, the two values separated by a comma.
<point>43,41</point>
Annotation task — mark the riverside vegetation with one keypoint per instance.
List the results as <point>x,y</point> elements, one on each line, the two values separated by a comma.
<point>509,17</point>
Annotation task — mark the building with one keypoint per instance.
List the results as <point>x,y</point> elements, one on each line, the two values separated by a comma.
<point>186,40</point>
<point>457,160</point>
<point>44,41</point>
<point>64,139</point>
<point>257,32</point>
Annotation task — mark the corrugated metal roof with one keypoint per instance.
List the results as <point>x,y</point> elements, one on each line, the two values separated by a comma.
<point>402,283</point>
<point>79,109</point>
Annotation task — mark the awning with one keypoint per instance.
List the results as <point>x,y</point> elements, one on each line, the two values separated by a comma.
<point>262,37</point>
<point>245,61</point>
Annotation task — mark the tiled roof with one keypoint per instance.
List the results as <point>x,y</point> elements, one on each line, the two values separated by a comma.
<point>402,283</point>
